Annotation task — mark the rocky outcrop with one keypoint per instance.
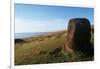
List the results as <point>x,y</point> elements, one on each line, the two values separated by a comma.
<point>78,36</point>
<point>19,41</point>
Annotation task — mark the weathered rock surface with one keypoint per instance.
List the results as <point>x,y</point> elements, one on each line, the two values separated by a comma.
<point>78,36</point>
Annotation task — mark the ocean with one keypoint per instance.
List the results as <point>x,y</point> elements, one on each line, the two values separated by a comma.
<point>27,35</point>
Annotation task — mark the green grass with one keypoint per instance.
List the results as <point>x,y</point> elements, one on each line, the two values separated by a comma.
<point>33,51</point>
<point>42,50</point>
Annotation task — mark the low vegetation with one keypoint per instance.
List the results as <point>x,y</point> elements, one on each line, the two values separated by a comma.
<point>45,49</point>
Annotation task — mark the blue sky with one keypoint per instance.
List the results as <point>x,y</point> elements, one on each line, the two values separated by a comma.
<point>43,18</point>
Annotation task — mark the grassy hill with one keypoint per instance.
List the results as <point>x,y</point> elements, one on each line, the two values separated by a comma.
<point>45,49</point>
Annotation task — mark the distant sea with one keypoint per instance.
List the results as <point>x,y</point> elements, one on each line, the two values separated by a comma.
<point>27,35</point>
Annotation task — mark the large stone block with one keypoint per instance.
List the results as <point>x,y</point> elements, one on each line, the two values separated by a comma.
<point>78,36</point>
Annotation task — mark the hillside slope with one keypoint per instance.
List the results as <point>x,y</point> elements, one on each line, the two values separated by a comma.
<point>45,49</point>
